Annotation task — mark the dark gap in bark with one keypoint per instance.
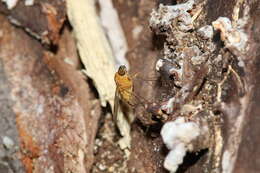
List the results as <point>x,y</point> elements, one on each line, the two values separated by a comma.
<point>217,40</point>
<point>101,122</point>
<point>67,24</point>
<point>92,87</point>
<point>158,41</point>
<point>143,127</point>
<point>217,112</point>
<point>191,159</point>
<point>154,130</point>
<point>53,48</point>
<point>64,90</point>
<point>150,131</point>
<point>80,65</point>
<point>201,87</point>
<point>167,2</point>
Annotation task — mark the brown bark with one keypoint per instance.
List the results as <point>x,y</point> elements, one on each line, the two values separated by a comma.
<point>42,20</point>
<point>241,102</point>
<point>56,117</point>
<point>52,114</point>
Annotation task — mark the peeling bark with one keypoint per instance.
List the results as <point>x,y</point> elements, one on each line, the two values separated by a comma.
<point>56,115</point>
<point>52,113</point>
<point>43,20</point>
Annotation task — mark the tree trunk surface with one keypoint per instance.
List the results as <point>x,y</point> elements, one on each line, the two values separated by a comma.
<point>52,115</point>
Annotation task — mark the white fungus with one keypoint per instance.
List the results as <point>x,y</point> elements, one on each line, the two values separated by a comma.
<point>240,63</point>
<point>29,2</point>
<point>169,106</point>
<point>178,136</point>
<point>175,158</point>
<point>159,64</point>
<point>10,3</point>
<point>233,37</point>
<point>185,21</point>
<point>206,32</point>
<point>165,14</point>
<point>8,142</point>
<point>227,163</point>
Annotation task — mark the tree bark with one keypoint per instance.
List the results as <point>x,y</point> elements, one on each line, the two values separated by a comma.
<point>52,119</point>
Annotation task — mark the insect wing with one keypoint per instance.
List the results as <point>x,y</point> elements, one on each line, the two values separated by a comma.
<point>116,105</point>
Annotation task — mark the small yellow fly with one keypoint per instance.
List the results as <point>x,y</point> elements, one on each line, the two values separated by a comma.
<point>124,84</point>
<point>125,94</point>
<point>124,89</point>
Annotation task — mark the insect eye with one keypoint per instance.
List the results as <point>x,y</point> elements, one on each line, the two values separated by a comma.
<point>122,70</point>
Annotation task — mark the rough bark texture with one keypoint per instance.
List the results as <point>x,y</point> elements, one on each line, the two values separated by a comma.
<point>50,113</point>
<point>142,55</point>
<point>42,20</point>
<point>236,110</point>
<point>248,152</point>
<point>56,116</point>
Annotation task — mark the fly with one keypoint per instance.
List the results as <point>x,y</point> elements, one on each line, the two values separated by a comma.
<point>124,89</point>
<point>125,93</point>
